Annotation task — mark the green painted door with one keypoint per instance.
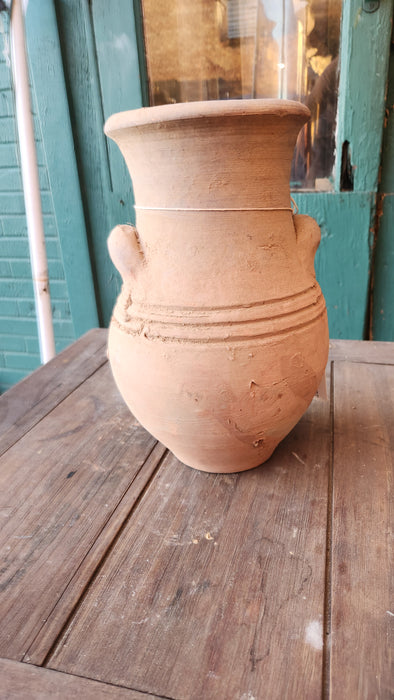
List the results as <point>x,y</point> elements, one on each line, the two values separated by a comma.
<point>111,52</point>
<point>101,66</point>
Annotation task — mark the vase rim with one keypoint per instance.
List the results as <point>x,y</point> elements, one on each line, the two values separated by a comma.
<point>181,111</point>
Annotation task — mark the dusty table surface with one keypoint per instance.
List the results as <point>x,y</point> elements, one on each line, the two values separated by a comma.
<point>125,574</point>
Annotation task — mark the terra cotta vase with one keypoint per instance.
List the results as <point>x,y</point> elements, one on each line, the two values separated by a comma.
<point>219,337</point>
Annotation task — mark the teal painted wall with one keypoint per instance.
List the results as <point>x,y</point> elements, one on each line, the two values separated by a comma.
<point>19,349</point>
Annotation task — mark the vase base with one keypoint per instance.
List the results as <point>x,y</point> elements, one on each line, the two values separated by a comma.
<point>232,467</point>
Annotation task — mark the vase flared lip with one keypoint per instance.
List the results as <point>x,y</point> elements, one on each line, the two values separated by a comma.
<point>181,111</point>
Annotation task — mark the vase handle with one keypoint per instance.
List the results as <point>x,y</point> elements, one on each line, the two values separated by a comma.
<point>308,238</point>
<point>125,250</point>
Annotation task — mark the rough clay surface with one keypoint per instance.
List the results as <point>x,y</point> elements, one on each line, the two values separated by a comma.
<point>219,337</point>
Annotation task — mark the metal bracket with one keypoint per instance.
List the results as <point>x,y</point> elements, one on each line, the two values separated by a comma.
<point>371,5</point>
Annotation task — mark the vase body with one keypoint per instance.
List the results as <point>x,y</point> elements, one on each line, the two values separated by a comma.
<point>219,337</point>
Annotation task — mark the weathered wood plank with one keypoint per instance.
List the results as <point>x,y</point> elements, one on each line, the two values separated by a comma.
<point>374,352</point>
<point>56,620</point>
<point>59,486</point>
<point>215,588</point>
<point>363,467</point>
<point>26,403</point>
<point>19,681</point>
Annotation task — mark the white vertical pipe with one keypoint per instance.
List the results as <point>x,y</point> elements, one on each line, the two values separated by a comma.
<point>31,185</point>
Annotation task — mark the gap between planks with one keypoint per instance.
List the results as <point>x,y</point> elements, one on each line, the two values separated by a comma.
<point>251,517</point>
<point>51,409</point>
<point>91,435</point>
<point>328,574</point>
<point>38,652</point>
<point>28,680</point>
<point>360,351</point>
<point>361,546</point>
<point>92,344</point>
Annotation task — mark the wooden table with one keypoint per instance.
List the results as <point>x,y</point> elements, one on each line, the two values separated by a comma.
<point>125,574</point>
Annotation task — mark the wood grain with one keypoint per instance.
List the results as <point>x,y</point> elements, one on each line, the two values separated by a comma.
<point>216,587</point>
<point>134,574</point>
<point>58,617</point>
<point>371,351</point>
<point>20,681</point>
<point>59,486</point>
<point>30,400</point>
<point>363,466</point>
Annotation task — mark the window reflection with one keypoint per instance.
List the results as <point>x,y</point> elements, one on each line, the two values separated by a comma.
<point>221,49</point>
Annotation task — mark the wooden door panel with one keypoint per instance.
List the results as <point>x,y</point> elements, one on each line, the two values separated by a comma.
<point>343,258</point>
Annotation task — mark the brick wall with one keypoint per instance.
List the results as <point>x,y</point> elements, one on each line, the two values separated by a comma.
<point>19,349</point>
